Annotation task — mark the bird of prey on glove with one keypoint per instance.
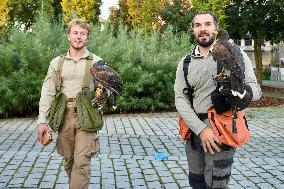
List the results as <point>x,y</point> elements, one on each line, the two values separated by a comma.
<point>230,57</point>
<point>109,83</point>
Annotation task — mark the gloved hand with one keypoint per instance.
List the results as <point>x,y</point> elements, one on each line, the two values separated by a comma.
<point>239,103</point>
<point>220,101</point>
<point>44,134</point>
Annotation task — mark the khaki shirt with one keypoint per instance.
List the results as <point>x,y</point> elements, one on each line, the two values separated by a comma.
<point>72,77</point>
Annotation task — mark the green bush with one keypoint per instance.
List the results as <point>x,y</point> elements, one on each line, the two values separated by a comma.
<point>146,62</point>
<point>266,73</point>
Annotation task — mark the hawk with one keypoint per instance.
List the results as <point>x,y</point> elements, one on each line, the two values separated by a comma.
<point>231,79</point>
<point>110,83</point>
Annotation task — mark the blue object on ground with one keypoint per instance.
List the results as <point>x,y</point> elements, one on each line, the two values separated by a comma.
<point>161,156</point>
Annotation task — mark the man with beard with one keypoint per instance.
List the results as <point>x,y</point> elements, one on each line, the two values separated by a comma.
<point>209,161</point>
<point>70,74</point>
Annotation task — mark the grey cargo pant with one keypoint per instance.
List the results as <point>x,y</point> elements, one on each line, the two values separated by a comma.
<point>77,147</point>
<point>207,170</point>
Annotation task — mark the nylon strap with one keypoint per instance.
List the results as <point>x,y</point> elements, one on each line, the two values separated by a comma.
<point>58,73</point>
<point>87,77</point>
<point>188,91</point>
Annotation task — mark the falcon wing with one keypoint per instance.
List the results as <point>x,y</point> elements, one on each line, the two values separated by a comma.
<point>230,57</point>
<point>107,77</point>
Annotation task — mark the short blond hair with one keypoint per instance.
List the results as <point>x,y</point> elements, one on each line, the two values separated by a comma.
<point>80,22</point>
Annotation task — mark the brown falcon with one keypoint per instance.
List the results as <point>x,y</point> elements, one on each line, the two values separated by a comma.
<point>231,79</point>
<point>110,83</point>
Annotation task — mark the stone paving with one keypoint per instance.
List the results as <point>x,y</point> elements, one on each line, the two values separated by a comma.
<point>126,158</point>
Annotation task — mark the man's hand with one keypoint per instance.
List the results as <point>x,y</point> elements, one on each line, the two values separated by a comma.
<point>41,128</point>
<point>209,140</point>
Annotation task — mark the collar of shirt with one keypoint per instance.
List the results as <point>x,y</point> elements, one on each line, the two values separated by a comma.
<point>196,52</point>
<point>85,54</point>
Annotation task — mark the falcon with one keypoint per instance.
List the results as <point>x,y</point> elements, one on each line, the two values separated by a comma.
<point>109,83</point>
<point>230,57</point>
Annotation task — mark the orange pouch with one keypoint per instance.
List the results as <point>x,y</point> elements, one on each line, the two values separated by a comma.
<point>184,131</point>
<point>222,124</point>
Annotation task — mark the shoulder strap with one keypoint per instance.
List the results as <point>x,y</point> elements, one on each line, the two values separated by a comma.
<point>188,90</point>
<point>87,77</point>
<point>58,73</point>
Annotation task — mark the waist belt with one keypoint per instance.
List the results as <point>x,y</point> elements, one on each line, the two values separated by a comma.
<point>71,99</point>
<point>71,109</point>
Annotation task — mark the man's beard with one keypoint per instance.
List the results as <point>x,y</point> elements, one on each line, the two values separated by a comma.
<point>205,43</point>
<point>76,47</point>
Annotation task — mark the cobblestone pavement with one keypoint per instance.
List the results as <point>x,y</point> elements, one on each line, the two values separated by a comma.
<point>126,158</point>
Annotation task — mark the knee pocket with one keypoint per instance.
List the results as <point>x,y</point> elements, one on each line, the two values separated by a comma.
<point>196,180</point>
<point>221,172</point>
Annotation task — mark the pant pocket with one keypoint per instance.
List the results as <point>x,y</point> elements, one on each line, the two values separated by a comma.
<point>59,147</point>
<point>221,172</point>
<point>94,145</point>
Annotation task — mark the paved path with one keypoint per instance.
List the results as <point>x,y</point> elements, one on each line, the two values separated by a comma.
<point>126,159</point>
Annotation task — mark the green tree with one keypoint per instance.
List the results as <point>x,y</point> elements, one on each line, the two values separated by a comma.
<point>137,13</point>
<point>217,7</point>
<point>86,9</point>
<point>120,15</point>
<point>262,19</point>
<point>21,13</point>
<point>176,14</point>
<point>4,18</point>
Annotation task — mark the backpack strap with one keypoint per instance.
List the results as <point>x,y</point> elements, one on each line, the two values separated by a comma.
<point>87,77</point>
<point>58,73</point>
<point>188,90</point>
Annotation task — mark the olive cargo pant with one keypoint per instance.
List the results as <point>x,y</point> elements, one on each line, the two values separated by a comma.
<point>208,170</point>
<point>77,147</point>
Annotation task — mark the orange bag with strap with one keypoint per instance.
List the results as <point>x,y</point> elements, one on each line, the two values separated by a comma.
<point>231,128</point>
<point>184,130</point>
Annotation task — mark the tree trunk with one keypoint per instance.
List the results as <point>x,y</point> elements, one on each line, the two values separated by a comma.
<point>258,58</point>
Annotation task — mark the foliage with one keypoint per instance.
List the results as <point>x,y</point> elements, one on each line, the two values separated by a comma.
<point>4,19</point>
<point>4,11</point>
<point>263,20</point>
<point>138,13</point>
<point>146,62</point>
<point>86,9</point>
<point>19,94</point>
<point>177,15</point>
<point>266,74</point>
<point>23,12</point>
<point>217,7</point>
<point>24,63</point>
